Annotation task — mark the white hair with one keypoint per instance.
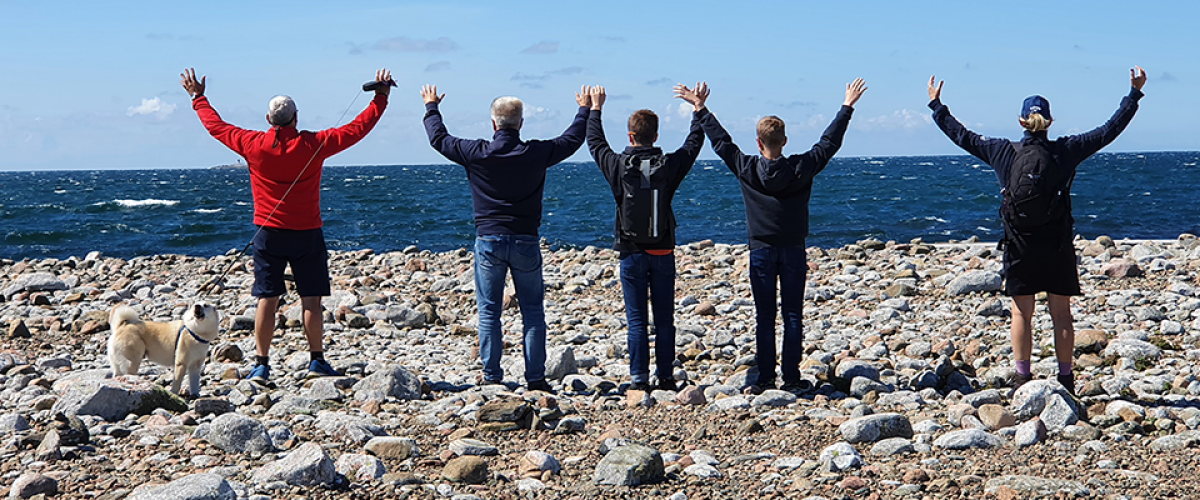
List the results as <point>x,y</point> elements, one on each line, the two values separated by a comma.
<point>507,111</point>
<point>281,111</point>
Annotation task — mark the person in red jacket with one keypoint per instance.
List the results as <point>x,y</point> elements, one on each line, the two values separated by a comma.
<point>285,180</point>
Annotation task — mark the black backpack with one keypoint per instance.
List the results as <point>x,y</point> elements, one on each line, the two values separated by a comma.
<point>1037,191</point>
<point>645,208</point>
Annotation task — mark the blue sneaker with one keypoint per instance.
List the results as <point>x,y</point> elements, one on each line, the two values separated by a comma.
<point>260,374</point>
<point>321,368</point>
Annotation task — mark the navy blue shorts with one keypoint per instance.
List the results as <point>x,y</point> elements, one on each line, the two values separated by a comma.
<point>305,250</point>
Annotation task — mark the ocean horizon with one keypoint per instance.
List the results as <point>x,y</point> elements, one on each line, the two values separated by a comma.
<point>208,211</point>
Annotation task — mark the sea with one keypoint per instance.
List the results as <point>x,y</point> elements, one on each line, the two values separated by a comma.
<point>206,212</point>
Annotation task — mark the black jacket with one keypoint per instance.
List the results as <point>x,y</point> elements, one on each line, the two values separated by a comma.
<point>678,164</point>
<point>507,175</point>
<point>776,192</point>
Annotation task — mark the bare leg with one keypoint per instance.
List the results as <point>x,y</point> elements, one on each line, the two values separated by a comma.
<point>314,323</point>
<point>1022,327</point>
<point>1064,328</point>
<point>264,324</point>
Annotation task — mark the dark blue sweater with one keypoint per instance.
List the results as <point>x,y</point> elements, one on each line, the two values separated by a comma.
<point>507,175</point>
<point>678,164</point>
<point>1069,151</point>
<point>776,192</point>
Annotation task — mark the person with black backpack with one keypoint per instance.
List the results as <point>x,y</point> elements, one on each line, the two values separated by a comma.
<point>1035,175</point>
<point>643,182</point>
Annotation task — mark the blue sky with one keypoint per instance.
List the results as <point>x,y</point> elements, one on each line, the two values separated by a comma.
<point>87,85</point>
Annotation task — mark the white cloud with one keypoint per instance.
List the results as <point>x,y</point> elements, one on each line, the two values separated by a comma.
<point>155,107</point>
<point>685,110</point>
<point>901,119</point>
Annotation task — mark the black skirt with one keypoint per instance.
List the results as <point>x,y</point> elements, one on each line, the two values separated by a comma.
<point>1041,260</point>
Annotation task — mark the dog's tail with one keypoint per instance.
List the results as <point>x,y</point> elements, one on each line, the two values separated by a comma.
<point>122,315</point>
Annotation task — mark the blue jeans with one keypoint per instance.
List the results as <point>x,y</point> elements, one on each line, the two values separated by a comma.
<point>495,255</point>
<point>790,266</point>
<point>639,272</point>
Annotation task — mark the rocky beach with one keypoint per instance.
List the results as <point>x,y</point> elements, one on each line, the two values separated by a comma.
<point>906,342</point>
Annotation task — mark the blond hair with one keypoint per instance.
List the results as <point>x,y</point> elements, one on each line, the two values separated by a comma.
<point>1035,123</point>
<point>770,131</point>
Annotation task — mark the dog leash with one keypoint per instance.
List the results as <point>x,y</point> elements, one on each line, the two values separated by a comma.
<point>210,287</point>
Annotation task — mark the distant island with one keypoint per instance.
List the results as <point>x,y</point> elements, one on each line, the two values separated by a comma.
<point>230,166</point>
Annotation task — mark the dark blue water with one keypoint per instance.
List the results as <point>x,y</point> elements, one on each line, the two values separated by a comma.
<point>207,212</point>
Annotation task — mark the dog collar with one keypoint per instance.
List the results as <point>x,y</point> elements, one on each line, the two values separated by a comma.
<point>189,330</point>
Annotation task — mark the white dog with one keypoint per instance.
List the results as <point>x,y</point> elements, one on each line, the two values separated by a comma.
<point>181,343</point>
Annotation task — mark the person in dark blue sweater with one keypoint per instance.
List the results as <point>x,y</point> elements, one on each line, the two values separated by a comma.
<point>1041,258</point>
<point>647,261</point>
<point>776,190</point>
<point>507,177</point>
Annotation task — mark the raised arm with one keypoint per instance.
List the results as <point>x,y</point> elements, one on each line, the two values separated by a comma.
<point>814,160</point>
<point>605,157</point>
<point>235,138</point>
<point>453,148</point>
<point>722,143</point>
<point>988,150</point>
<point>569,142</point>
<point>694,141</point>
<point>336,140</point>
<point>1084,145</point>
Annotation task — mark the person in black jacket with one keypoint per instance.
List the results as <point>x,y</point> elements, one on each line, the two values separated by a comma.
<point>647,260</point>
<point>776,190</point>
<point>1041,258</point>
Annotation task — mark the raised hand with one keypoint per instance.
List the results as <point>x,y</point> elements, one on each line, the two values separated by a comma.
<point>597,94</point>
<point>193,87</point>
<point>1138,78</point>
<point>696,97</point>
<point>854,91</point>
<point>935,93</point>
<point>430,95</point>
<point>584,96</point>
<point>383,75</point>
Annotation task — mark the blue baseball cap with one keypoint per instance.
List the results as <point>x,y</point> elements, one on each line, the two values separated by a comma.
<point>1036,104</point>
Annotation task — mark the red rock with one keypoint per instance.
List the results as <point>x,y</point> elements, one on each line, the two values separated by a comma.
<point>706,308</point>
<point>690,395</point>
<point>1122,268</point>
<point>916,476</point>
<point>854,483</point>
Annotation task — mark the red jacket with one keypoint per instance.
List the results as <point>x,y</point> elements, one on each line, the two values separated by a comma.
<point>277,157</point>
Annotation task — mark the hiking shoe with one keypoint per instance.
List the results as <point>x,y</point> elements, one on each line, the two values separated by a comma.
<point>321,368</point>
<point>260,374</point>
<point>797,387</point>
<point>759,387</point>
<point>638,386</point>
<point>667,385</point>
<point>539,385</point>
<point>1068,381</point>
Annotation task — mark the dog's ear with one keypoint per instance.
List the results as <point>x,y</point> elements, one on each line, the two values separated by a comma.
<point>198,311</point>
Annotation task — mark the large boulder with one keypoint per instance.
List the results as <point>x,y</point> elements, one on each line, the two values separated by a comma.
<point>392,448</point>
<point>392,381</point>
<point>36,282</point>
<point>974,281</point>
<point>307,465</point>
<point>192,487</point>
<point>360,468</point>
<point>560,362</point>
<point>236,433</point>
<point>630,465</point>
<point>1133,349</point>
<point>872,428</point>
<point>349,427</point>
<point>1032,397</point>
<point>968,438</point>
<point>114,399</point>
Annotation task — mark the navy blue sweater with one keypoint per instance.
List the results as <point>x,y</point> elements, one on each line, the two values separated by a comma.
<point>507,175</point>
<point>776,192</point>
<point>1069,151</point>
<point>678,164</point>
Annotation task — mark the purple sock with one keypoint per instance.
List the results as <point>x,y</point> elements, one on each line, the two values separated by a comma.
<point>1064,368</point>
<point>1023,367</point>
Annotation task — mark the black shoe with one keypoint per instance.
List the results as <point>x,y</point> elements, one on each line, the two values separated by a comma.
<point>797,387</point>
<point>667,385</point>
<point>1020,380</point>
<point>1068,381</point>
<point>539,385</point>
<point>483,382</point>
<point>638,386</point>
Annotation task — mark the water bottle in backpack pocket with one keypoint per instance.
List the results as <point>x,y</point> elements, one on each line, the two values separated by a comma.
<point>644,212</point>
<point>1037,191</point>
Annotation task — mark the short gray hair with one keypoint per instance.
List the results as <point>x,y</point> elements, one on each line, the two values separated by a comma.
<point>281,111</point>
<point>507,111</point>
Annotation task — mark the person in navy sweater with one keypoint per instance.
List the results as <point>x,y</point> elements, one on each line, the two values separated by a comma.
<point>776,190</point>
<point>647,260</point>
<point>1041,258</point>
<point>507,177</point>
